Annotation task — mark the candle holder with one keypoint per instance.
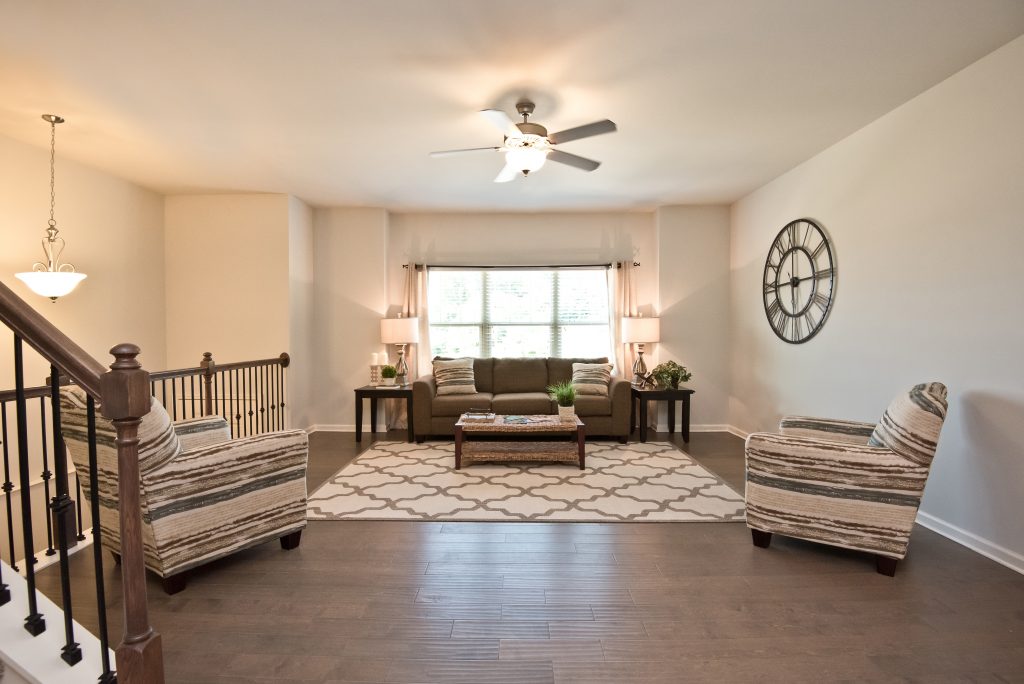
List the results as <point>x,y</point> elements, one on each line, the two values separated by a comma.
<point>375,375</point>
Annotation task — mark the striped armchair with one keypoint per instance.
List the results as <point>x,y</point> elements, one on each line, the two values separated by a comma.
<point>203,494</point>
<point>845,483</point>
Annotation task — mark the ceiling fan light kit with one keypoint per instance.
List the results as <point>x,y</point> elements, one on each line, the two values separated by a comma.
<point>527,145</point>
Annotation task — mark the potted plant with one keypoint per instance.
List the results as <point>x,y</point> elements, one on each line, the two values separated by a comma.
<point>388,375</point>
<point>564,395</point>
<point>670,374</point>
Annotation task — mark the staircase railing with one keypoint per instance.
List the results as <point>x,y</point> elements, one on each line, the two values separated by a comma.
<point>250,395</point>
<point>124,394</point>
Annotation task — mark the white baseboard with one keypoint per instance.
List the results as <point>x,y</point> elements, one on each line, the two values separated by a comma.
<point>330,427</point>
<point>989,549</point>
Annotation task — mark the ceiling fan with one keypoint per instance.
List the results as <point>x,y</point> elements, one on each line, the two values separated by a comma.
<point>528,145</point>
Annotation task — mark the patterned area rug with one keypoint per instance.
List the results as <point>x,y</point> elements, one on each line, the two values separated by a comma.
<point>649,482</point>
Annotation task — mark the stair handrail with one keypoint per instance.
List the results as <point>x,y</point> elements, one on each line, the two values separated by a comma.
<point>124,397</point>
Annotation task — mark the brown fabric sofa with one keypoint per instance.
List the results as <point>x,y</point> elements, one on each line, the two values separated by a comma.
<point>518,386</point>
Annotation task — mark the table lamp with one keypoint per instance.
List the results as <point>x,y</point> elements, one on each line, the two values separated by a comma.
<point>639,331</point>
<point>400,331</point>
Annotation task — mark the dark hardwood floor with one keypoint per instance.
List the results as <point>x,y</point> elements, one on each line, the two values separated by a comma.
<point>525,603</point>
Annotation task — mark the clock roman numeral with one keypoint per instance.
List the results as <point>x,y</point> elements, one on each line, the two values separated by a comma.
<point>770,287</point>
<point>796,328</point>
<point>817,250</point>
<point>809,320</point>
<point>823,273</point>
<point>821,301</point>
<point>791,235</point>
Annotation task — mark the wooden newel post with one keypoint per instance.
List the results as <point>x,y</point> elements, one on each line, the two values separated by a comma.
<point>209,367</point>
<point>126,396</point>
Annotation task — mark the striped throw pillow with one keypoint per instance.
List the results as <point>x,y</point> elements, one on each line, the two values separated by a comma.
<point>454,377</point>
<point>592,378</point>
<point>911,424</point>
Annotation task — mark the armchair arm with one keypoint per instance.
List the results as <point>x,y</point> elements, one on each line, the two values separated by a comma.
<point>424,389</point>
<point>822,466</point>
<point>622,403</point>
<point>200,432</point>
<point>213,473</point>
<point>848,431</point>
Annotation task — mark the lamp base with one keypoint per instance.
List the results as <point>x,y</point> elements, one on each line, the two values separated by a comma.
<point>402,368</point>
<point>639,367</point>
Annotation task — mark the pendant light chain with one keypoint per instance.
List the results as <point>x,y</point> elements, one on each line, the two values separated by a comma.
<point>53,159</point>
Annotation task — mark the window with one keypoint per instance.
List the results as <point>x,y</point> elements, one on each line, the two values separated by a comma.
<point>526,312</point>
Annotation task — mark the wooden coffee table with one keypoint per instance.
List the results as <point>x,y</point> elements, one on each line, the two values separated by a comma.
<point>564,451</point>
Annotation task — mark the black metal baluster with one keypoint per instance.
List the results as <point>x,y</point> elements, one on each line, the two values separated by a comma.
<point>261,409</point>
<point>249,400</point>
<point>234,397</point>
<point>63,512</point>
<point>8,486</point>
<point>163,390</point>
<point>78,506</point>
<point>34,622</point>
<point>108,676</point>
<point>273,399</point>
<point>5,593</point>
<point>192,393</point>
<point>174,400</point>
<point>46,475</point>
<point>280,374</point>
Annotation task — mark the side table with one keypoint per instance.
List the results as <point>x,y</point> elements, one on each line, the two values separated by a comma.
<point>660,393</point>
<point>373,394</point>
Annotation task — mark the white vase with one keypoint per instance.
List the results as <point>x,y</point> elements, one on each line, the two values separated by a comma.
<point>388,381</point>
<point>567,414</point>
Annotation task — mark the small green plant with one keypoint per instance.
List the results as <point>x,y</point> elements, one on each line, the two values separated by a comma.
<point>670,374</point>
<point>388,372</point>
<point>563,393</point>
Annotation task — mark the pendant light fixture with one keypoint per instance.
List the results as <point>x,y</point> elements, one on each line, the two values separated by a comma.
<point>52,279</point>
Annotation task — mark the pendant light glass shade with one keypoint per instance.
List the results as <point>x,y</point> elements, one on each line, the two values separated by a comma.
<point>52,279</point>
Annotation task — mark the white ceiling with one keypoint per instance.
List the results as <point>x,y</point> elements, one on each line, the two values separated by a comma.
<point>339,102</point>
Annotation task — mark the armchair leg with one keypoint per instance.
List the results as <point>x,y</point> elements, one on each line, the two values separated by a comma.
<point>761,538</point>
<point>885,566</point>
<point>291,541</point>
<point>117,557</point>
<point>624,440</point>
<point>174,583</point>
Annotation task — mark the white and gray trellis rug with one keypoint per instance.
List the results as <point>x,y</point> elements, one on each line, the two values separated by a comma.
<point>641,482</point>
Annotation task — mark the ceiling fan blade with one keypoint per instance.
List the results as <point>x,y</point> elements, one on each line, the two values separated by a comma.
<point>573,160</point>
<point>501,121</point>
<point>585,131</point>
<point>449,153</point>
<point>508,173</point>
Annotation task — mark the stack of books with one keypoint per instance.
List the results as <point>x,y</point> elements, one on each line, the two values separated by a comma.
<point>478,416</point>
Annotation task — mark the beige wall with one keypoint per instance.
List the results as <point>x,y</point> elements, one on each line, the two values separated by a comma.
<point>300,309</point>
<point>228,277</point>
<point>114,233</point>
<point>349,299</point>
<point>693,292</point>
<point>924,207</point>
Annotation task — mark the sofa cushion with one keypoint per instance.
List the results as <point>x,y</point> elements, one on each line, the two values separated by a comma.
<point>593,405</point>
<point>513,403</point>
<point>520,375</point>
<point>454,377</point>
<point>592,378</point>
<point>560,370</point>
<point>457,404</point>
<point>483,372</point>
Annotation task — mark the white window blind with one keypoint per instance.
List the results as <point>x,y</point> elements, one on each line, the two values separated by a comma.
<point>526,312</point>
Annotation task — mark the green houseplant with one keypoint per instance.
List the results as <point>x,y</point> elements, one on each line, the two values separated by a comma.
<point>388,374</point>
<point>564,394</point>
<point>670,374</point>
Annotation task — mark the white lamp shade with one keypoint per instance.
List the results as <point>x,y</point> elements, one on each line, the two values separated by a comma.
<point>641,330</point>
<point>400,330</point>
<point>51,284</point>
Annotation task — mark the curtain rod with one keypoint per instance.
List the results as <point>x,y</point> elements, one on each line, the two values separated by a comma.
<point>420,267</point>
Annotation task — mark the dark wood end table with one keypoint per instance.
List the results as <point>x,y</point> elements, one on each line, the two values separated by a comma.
<point>660,393</point>
<point>373,393</point>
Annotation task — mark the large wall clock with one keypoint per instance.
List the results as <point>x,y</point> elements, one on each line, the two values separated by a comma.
<point>799,279</point>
